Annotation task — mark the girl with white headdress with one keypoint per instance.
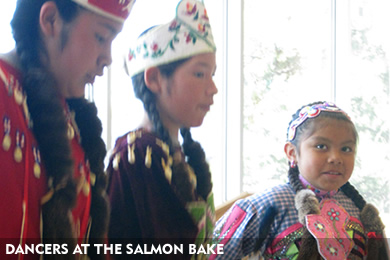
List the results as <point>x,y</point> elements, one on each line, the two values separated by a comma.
<point>160,190</point>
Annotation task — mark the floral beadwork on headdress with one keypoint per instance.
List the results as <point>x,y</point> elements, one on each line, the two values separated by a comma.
<point>310,112</point>
<point>187,35</point>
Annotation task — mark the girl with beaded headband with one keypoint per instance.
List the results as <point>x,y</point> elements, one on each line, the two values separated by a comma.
<point>160,190</point>
<point>318,214</point>
<point>52,172</point>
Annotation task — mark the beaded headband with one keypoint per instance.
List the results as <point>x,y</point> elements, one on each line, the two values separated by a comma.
<point>118,10</point>
<point>310,112</point>
<point>187,35</point>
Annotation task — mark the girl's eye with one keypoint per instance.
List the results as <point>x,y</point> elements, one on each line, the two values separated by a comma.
<point>347,149</point>
<point>321,146</point>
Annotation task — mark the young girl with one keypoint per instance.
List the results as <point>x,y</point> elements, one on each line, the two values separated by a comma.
<point>318,213</point>
<point>158,193</point>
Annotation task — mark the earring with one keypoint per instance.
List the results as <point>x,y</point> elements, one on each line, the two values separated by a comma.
<point>293,164</point>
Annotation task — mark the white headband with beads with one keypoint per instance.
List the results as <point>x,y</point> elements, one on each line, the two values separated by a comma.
<point>310,112</point>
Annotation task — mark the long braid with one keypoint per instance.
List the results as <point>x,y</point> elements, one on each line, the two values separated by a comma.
<point>197,160</point>
<point>293,178</point>
<point>43,98</point>
<point>354,195</point>
<point>369,215</point>
<point>180,179</point>
<point>91,129</point>
<point>308,241</point>
<point>148,99</point>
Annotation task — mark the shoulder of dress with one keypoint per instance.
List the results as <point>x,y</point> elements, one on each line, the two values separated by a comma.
<point>141,146</point>
<point>6,70</point>
<point>140,139</point>
<point>279,192</point>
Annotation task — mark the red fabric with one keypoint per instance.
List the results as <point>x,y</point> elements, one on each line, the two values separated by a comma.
<point>114,7</point>
<point>82,174</point>
<point>17,180</point>
<point>232,223</point>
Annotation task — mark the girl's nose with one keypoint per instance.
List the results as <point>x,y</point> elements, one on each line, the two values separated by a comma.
<point>212,89</point>
<point>334,157</point>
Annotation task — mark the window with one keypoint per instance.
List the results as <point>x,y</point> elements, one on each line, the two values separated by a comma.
<point>6,11</point>
<point>297,52</point>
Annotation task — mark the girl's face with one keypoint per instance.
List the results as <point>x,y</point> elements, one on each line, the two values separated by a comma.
<point>186,96</point>
<point>326,158</point>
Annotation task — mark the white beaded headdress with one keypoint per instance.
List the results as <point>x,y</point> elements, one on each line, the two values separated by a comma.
<point>187,35</point>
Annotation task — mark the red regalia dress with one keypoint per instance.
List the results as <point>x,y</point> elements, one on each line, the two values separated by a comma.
<point>23,181</point>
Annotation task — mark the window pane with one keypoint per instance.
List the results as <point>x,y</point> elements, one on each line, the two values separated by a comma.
<point>287,64</point>
<point>363,88</point>
<point>7,9</point>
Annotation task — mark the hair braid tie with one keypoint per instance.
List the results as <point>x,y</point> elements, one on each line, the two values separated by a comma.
<point>306,203</point>
<point>373,225</point>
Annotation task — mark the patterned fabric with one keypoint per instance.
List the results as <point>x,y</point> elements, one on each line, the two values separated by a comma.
<point>144,205</point>
<point>23,181</point>
<point>187,35</point>
<point>310,112</point>
<point>118,10</point>
<point>242,242</point>
<point>329,229</point>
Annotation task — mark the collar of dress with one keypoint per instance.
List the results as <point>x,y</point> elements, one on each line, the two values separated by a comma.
<point>319,193</point>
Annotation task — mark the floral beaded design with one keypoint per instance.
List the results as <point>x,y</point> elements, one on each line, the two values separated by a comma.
<point>287,244</point>
<point>333,251</point>
<point>187,35</point>
<point>319,226</point>
<point>329,229</point>
<point>333,215</point>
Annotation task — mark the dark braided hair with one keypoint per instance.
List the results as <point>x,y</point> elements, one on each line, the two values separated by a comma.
<point>197,160</point>
<point>308,241</point>
<point>94,147</point>
<point>192,150</point>
<point>50,123</point>
<point>306,129</point>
